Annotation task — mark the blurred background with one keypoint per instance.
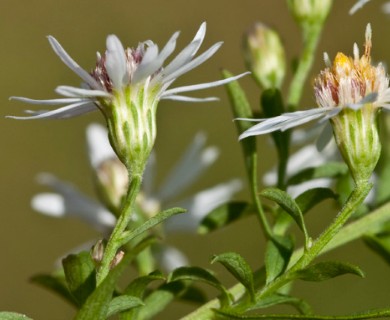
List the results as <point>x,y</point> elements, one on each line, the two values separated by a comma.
<point>31,243</point>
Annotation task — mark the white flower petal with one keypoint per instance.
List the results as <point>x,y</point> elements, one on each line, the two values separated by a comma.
<point>201,204</point>
<point>188,52</point>
<point>357,6</point>
<point>69,91</point>
<point>169,258</point>
<point>325,137</point>
<point>189,99</point>
<point>192,64</point>
<point>99,148</point>
<point>195,160</point>
<point>69,111</point>
<point>72,64</point>
<point>150,65</point>
<point>202,85</point>
<point>116,62</point>
<point>77,205</point>
<point>48,101</point>
<point>50,204</point>
<point>285,121</point>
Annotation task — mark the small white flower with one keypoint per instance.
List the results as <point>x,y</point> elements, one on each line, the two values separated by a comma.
<point>350,83</point>
<point>126,86</point>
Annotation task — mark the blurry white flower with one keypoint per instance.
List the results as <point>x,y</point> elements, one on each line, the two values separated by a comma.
<point>67,201</point>
<point>386,7</point>
<point>357,6</point>
<point>306,157</point>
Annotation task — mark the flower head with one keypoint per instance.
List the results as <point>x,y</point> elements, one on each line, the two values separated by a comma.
<point>126,85</point>
<point>350,92</point>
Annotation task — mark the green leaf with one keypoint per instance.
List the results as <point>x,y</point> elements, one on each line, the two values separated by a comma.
<point>277,256</point>
<point>152,222</point>
<point>80,275</point>
<point>13,316</point>
<point>326,270</point>
<point>123,303</point>
<point>328,170</point>
<point>159,299</point>
<point>202,275</point>
<point>138,286</point>
<point>224,215</point>
<point>55,283</point>
<point>305,201</point>
<point>137,289</point>
<point>371,314</point>
<point>97,305</point>
<point>380,245</point>
<point>301,305</point>
<point>284,200</point>
<point>242,109</point>
<point>194,295</point>
<point>239,268</point>
<point>310,198</point>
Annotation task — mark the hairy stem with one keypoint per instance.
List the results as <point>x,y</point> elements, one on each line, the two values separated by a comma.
<point>114,243</point>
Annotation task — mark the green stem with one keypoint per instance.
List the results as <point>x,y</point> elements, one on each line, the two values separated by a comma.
<point>252,175</point>
<point>311,35</point>
<point>114,243</point>
<point>354,201</point>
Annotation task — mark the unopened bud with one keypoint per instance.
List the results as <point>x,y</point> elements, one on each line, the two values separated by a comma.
<point>112,182</point>
<point>310,11</point>
<point>117,259</point>
<point>265,56</point>
<point>97,252</point>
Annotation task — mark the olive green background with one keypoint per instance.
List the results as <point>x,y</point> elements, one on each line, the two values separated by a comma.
<point>31,243</point>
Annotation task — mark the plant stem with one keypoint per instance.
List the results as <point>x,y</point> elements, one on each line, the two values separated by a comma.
<point>354,201</point>
<point>114,243</point>
<point>311,35</point>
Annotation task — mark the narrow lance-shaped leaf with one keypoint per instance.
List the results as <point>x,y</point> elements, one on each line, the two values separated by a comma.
<point>242,109</point>
<point>380,245</point>
<point>239,268</point>
<point>301,305</point>
<point>203,275</point>
<point>152,222</point>
<point>123,303</point>
<point>56,284</point>
<point>80,275</point>
<point>277,256</point>
<point>326,270</point>
<point>305,201</point>
<point>224,215</point>
<point>97,304</point>
<point>13,316</point>
<point>371,314</point>
<point>284,200</point>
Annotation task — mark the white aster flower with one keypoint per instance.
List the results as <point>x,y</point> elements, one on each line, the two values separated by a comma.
<point>67,201</point>
<point>350,92</point>
<point>192,164</point>
<point>126,86</point>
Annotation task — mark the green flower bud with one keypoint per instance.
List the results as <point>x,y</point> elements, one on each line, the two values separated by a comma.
<point>310,11</point>
<point>265,56</point>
